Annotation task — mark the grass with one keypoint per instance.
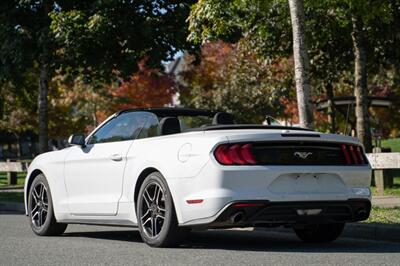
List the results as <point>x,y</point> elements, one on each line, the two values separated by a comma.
<point>384,216</point>
<point>12,197</point>
<point>394,144</point>
<point>394,191</point>
<point>20,179</point>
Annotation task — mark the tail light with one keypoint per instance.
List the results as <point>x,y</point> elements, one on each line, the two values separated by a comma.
<point>353,154</point>
<point>235,154</point>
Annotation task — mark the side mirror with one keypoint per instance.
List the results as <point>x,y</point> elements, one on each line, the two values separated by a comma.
<point>77,139</point>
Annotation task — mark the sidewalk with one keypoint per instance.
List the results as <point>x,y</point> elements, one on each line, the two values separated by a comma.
<point>386,201</point>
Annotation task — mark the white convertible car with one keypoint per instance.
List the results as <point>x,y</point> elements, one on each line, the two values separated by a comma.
<point>170,170</point>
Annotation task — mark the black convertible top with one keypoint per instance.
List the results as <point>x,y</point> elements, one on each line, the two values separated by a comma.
<point>247,126</point>
<point>173,111</point>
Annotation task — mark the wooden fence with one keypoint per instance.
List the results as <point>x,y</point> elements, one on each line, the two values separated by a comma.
<point>12,168</point>
<point>382,163</point>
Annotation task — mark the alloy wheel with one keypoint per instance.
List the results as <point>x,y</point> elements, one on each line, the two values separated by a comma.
<point>153,209</point>
<point>39,205</point>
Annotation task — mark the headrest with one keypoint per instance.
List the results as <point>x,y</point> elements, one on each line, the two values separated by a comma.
<point>170,125</point>
<point>223,119</point>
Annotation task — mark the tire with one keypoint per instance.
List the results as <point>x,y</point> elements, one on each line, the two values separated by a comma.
<point>40,209</point>
<point>320,233</point>
<point>155,207</point>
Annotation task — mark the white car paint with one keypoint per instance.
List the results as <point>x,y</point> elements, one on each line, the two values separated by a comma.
<point>91,185</point>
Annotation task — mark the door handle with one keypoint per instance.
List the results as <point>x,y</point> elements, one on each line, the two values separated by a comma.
<point>116,157</point>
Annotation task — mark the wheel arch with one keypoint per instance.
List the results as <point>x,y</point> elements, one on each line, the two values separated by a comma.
<point>141,179</point>
<point>29,182</point>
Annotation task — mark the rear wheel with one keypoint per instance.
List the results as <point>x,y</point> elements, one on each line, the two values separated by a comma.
<point>40,209</point>
<point>320,233</point>
<point>156,215</point>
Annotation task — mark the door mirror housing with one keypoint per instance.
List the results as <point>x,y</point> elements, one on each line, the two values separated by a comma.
<point>77,139</point>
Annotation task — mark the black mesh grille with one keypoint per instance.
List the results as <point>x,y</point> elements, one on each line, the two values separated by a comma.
<point>298,153</point>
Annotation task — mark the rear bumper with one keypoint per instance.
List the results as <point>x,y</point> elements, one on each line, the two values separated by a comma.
<point>266,213</point>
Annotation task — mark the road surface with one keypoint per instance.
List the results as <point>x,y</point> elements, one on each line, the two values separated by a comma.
<point>96,245</point>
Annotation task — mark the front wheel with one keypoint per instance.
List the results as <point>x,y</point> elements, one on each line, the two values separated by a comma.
<point>320,233</point>
<point>156,215</point>
<point>40,209</point>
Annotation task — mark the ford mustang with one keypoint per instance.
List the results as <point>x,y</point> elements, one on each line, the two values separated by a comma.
<point>170,170</point>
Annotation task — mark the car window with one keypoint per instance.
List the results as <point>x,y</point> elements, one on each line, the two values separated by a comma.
<point>151,128</point>
<point>188,122</point>
<point>126,126</point>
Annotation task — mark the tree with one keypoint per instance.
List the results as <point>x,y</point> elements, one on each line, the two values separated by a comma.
<point>301,64</point>
<point>233,79</point>
<point>24,29</point>
<point>265,24</point>
<point>92,39</point>
<point>360,15</point>
<point>360,83</point>
<point>329,27</point>
<point>147,87</point>
<point>101,38</point>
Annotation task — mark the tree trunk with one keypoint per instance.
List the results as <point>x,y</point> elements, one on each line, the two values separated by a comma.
<point>331,107</point>
<point>42,107</point>
<point>360,84</point>
<point>301,64</point>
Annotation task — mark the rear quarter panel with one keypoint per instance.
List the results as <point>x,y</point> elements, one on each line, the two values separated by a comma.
<point>177,156</point>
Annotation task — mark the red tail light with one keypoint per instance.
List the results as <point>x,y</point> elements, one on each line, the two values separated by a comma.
<point>360,155</point>
<point>353,154</point>
<point>235,154</point>
<point>221,154</point>
<point>248,154</point>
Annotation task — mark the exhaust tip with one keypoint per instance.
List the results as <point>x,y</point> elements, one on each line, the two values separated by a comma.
<point>361,213</point>
<point>237,217</point>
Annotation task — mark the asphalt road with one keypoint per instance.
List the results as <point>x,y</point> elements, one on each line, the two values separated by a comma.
<point>95,245</point>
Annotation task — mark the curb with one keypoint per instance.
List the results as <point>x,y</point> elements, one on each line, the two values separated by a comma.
<point>373,231</point>
<point>377,232</point>
<point>12,207</point>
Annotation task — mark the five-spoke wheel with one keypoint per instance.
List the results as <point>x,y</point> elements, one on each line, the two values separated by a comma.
<point>153,209</point>
<point>158,225</point>
<point>39,205</point>
<point>40,209</point>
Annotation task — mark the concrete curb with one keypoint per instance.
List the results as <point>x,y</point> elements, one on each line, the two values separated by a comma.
<point>373,231</point>
<point>12,207</point>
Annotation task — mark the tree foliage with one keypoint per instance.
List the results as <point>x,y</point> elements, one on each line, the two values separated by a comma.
<point>266,24</point>
<point>233,79</point>
<point>147,87</point>
<point>103,36</point>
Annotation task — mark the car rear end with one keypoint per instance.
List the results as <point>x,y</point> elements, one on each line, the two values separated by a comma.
<point>279,177</point>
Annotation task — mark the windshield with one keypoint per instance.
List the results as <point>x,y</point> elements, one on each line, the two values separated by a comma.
<point>188,122</point>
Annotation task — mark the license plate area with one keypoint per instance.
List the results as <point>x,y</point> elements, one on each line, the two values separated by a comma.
<point>310,183</point>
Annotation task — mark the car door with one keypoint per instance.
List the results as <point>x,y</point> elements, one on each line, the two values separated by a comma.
<point>94,173</point>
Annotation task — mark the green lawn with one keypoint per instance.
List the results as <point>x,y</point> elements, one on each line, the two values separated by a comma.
<point>12,197</point>
<point>394,144</point>
<point>394,191</point>
<point>20,179</point>
<point>385,216</point>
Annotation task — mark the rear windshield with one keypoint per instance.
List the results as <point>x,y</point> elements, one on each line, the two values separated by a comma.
<point>188,122</point>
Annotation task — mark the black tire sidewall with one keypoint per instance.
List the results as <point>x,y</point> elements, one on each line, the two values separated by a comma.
<point>170,216</point>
